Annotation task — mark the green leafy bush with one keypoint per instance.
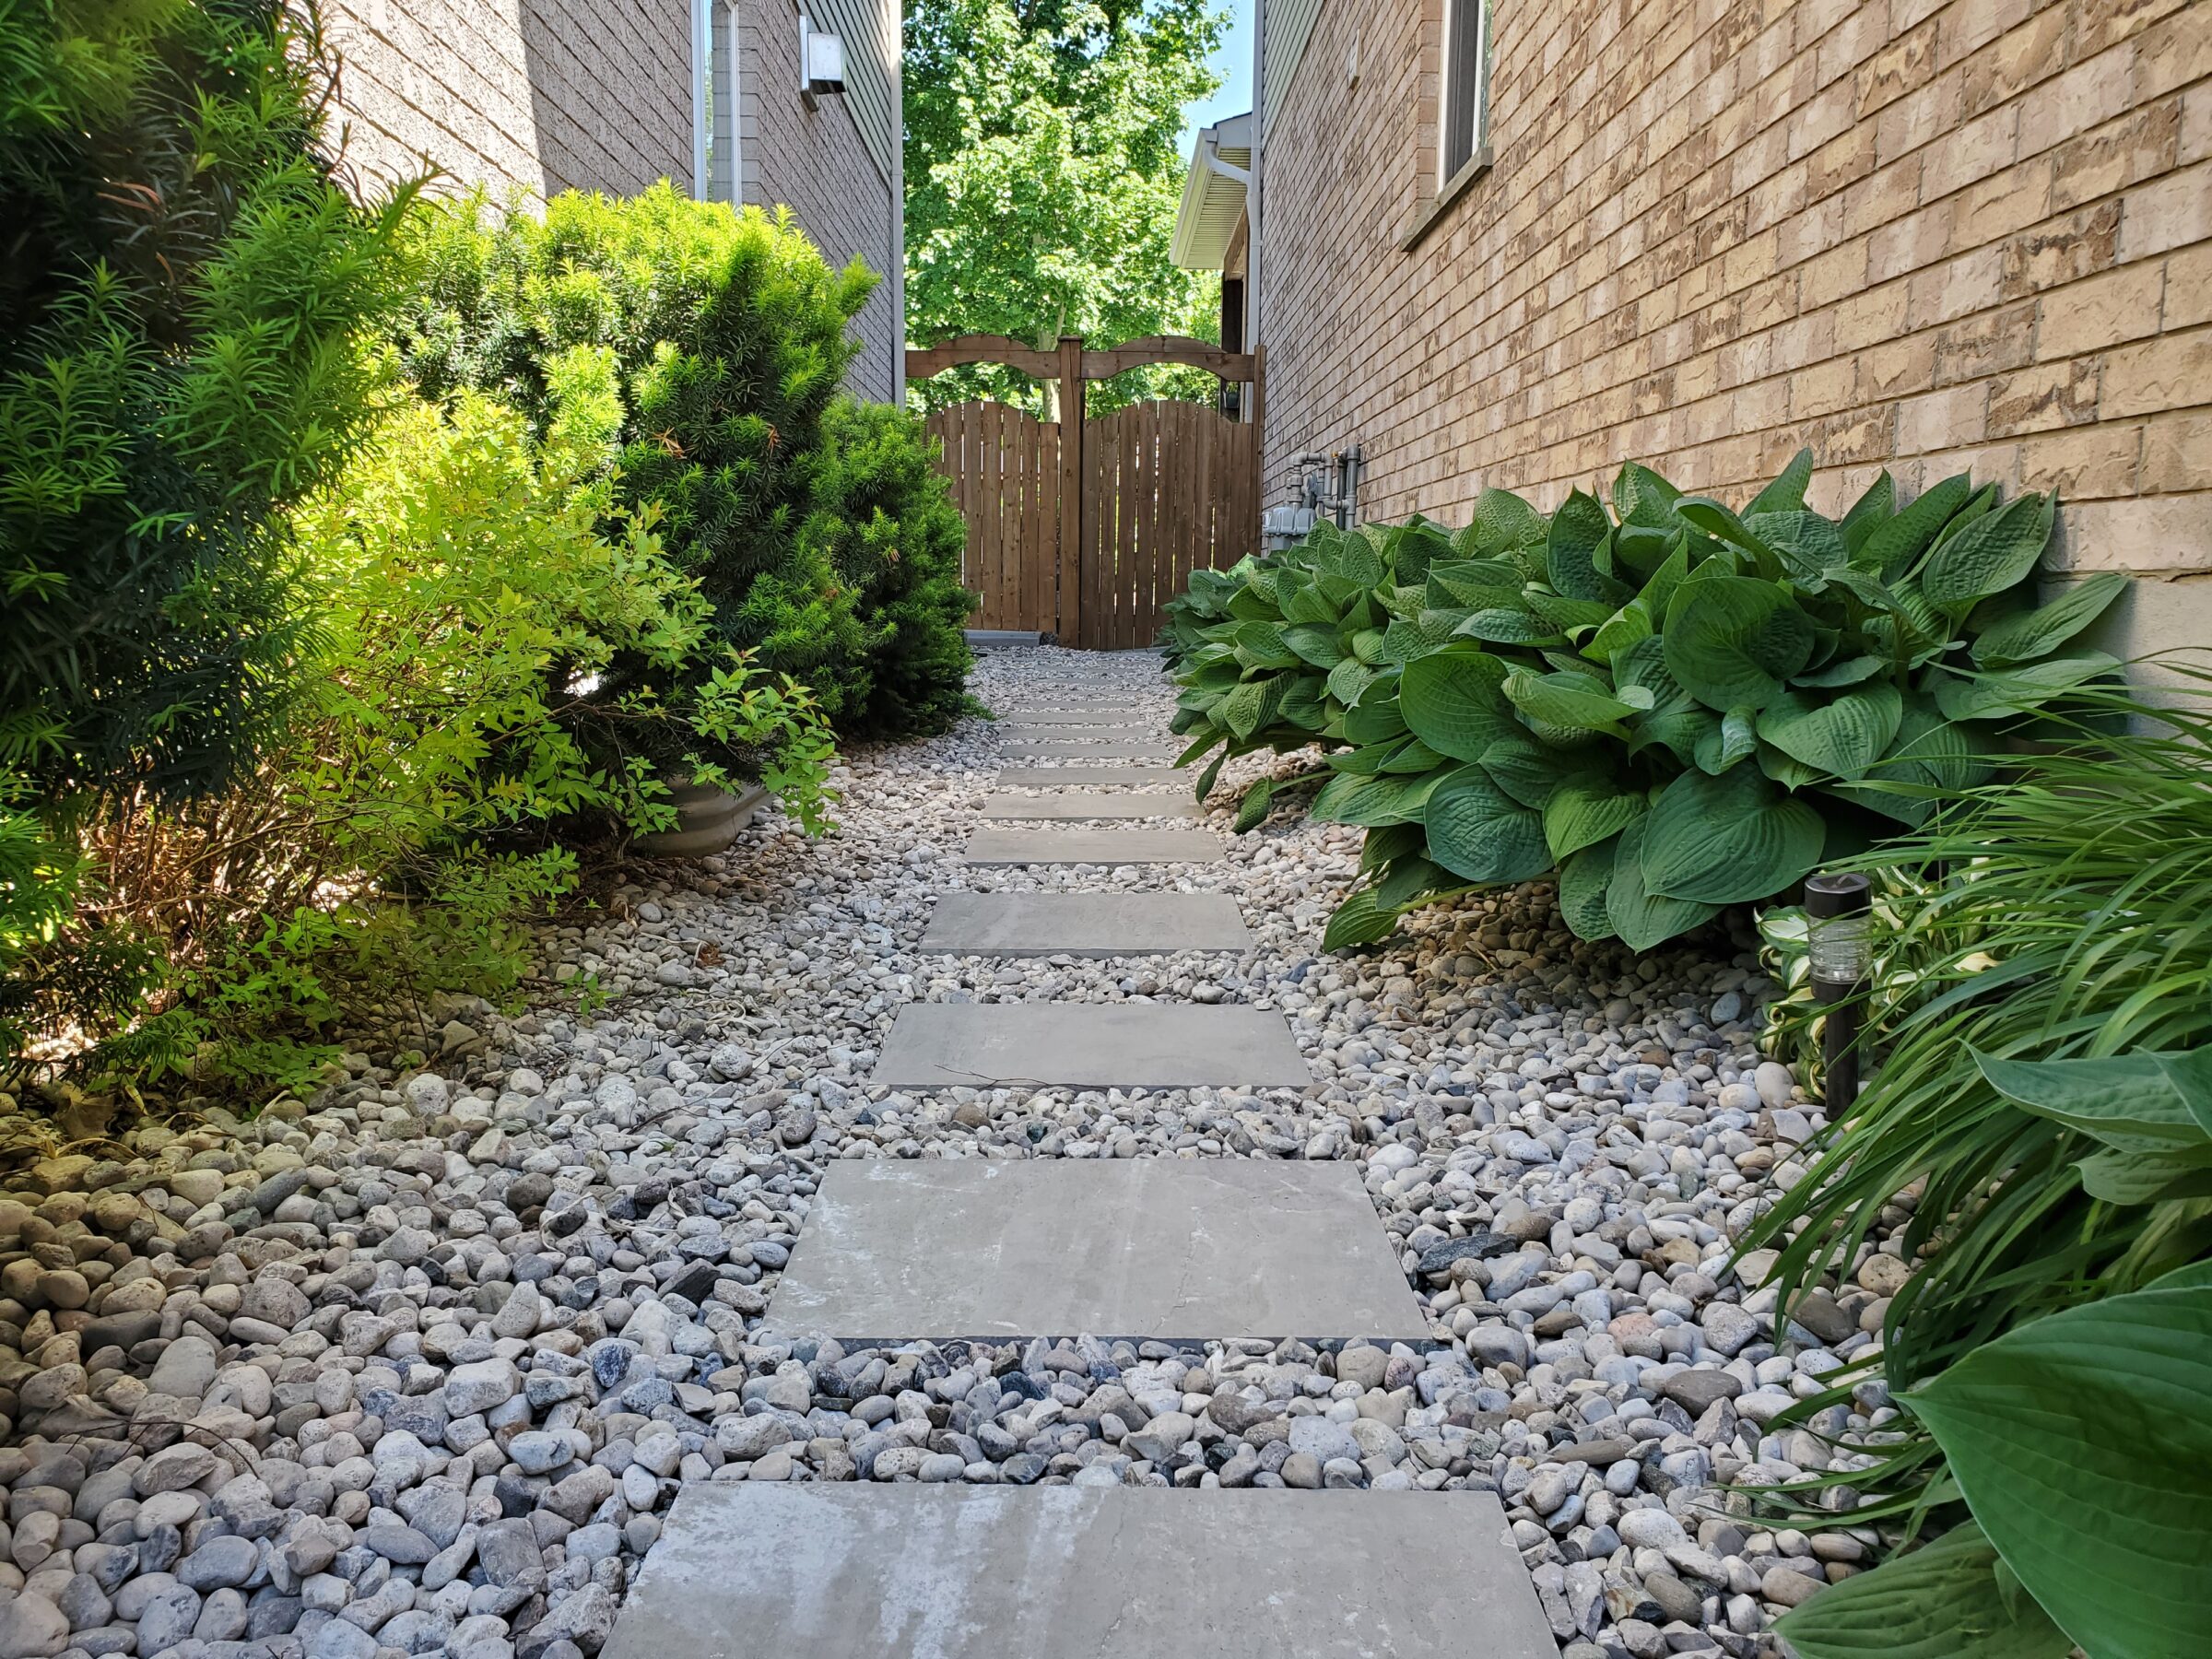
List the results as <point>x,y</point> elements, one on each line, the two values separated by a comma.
<point>178,299</point>
<point>1673,706</point>
<point>719,338</point>
<point>884,518</point>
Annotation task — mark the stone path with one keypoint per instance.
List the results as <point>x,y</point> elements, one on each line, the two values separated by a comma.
<point>1193,1251</point>
<point>1065,1573</point>
<point>1066,777</point>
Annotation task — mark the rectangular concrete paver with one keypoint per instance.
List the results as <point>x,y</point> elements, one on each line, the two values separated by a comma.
<point>1124,749</point>
<point>1163,1248</point>
<point>859,1571</point>
<point>1093,803</point>
<point>1092,846</point>
<point>1102,716</point>
<point>1084,925</point>
<point>1089,1045</point>
<point>1030,732</point>
<point>1087,777</point>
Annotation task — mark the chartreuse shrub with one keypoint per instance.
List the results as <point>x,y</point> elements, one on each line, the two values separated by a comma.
<point>1671,706</point>
<point>727,338</point>
<point>2043,1087</point>
<point>180,282</point>
<point>883,516</point>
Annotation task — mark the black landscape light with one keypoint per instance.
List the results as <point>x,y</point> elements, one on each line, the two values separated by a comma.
<point>1840,918</point>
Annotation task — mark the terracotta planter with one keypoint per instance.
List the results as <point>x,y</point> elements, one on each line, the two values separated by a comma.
<point>706,820</point>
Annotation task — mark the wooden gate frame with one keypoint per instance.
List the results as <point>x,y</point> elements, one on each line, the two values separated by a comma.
<point>1074,366</point>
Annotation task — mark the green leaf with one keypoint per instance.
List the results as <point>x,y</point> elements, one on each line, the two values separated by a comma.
<point>1893,545</point>
<point>1251,811</point>
<point>2140,1101</point>
<point>1570,549</point>
<point>1733,739</point>
<point>1842,736</point>
<point>1375,719</point>
<point>1727,840</point>
<point>1870,512</point>
<point>1577,700</point>
<point>1504,626</point>
<point>1943,1601</point>
<point>1583,879</point>
<point>1564,613</point>
<point>1733,642</point>
<point>2039,632</point>
<point>1997,692</point>
<point>1348,681</point>
<point>1408,880</point>
<point>2119,1177</point>
<point>1642,497</point>
<point>1929,756</point>
<point>1505,525</point>
<point>1390,842</point>
<point>1525,771</point>
<point>1638,916</point>
<point>1810,545</point>
<point>1352,799</point>
<point>1990,555</point>
<point>1312,642</point>
<point>1786,493</point>
<point>1851,671</point>
<point>1359,920</point>
<point>1584,811</point>
<point>1252,705</point>
<point>1262,645</point>
<point>1481,834</point>
<point>1630,623</point>
<point>1452,702</point>
<point>2082,1443</point>
<point>1207,778</point>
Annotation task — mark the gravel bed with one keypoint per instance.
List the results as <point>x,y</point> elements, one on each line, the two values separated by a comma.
<point>417,1365</point>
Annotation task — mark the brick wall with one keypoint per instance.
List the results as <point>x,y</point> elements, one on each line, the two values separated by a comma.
<point>816,162</point>
<point>544,94</point>
<point>1929,236</point>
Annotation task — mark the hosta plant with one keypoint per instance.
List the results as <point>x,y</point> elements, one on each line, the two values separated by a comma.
<point>1673,706</point>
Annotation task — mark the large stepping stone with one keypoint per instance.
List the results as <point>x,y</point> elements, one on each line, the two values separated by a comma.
<point>1089,1045</point>
<point>1081,717</point>
<point>1098,804</point>
<point>858,1570</point>
<point>1084,925</point>
<point>1164,1248</point>
<point>1120,749</point>
<point>1087,777</point>
<point>1092,846</point>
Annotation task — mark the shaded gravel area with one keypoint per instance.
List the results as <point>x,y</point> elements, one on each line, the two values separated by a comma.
<point>417,1365</point>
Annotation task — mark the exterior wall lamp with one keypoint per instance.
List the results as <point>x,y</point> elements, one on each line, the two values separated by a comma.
<point>821,62</point>
<point>1839,935</point>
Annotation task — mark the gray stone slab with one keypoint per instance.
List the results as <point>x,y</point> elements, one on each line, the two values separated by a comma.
<point>860,1570</point>
<point>1092,846</point>
<point>1090,1045</point>
<point>1084,925</point>
<point>1102,716</point>
<point>1088,777</point>
<point>1092,804</point>
<point>1166,1249</point>
<point>1119,749</point>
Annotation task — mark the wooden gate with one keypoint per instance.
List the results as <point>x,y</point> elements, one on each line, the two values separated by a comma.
<point>1087,528</point>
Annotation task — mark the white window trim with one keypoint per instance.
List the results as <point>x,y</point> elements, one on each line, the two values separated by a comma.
<point>703,95</point>
<point>736,108</point>
<point>1449,115</point>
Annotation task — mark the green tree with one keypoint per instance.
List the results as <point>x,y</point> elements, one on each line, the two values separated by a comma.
<point>1043,171</point>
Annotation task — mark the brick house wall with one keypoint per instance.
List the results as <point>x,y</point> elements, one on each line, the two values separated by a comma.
<point>1926,236</point>
<point>548,94</point>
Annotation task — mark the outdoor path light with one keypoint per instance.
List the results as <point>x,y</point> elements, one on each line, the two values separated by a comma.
<point>1840,921</point>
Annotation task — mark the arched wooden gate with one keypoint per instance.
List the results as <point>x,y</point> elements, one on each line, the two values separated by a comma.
<point>1087,528</point>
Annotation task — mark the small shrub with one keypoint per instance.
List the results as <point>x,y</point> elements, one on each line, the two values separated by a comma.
<point>884,518</point>
<point>1673,707</point>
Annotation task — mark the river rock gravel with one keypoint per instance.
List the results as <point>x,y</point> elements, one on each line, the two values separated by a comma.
<point>417,1365</point>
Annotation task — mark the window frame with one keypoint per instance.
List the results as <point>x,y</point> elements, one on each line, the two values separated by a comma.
<point>1440,184</point>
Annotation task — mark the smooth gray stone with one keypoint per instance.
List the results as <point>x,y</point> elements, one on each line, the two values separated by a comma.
<point>1080,717</point>
<point>1098,804</point>
<point>1090,1045</point>
<point>1124,749</point>
<point>1084,925</point>
<point>1144,1248</point>
<point>999,638</point>
<point>1092,846</point>
<point>1087,777</point>
<point>911,1572</point>
<point>1031,731</point>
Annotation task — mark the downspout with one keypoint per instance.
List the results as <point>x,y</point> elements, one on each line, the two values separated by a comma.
<point>898,251</point>
<point>703,95</point>
<point>1253,308</point>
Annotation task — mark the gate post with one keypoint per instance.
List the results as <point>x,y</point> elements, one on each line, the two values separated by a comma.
<point>1071,491</point>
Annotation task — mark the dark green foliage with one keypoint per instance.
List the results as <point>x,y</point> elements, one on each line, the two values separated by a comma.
<point>885,519</point>
<point>723,336</point>
<point>180,280</point>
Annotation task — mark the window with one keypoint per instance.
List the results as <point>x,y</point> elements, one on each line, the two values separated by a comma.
<point>1467,85</point>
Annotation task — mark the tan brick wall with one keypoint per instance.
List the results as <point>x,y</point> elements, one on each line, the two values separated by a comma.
<point>816,162</point>
<point>544,94</point>
<point>1926,236</point>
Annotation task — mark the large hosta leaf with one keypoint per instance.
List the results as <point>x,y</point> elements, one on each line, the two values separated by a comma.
<point>1843,736</point>
<point>1870,512</point>
<point>1732,738</point>
<point>2082,1443</point>
<point>1945,1600</point>
<point>1583,879</point>
<point>1505,525</point>
<point>1997,692</point>
<point>1252,705</point>
<point>1452,702</point>
<point>1503,626</point>
<point>1892,546</point>
<point>1928,757</point>
<point>1786,493</point>
<point>1359,920</point>
<point>1580,701</point>
<point>1579,530</point>
<point>1262,645</point>
<point>1348,681</point>
<point>1990,555</point>
<point>1480,832</point>
<point>1313,642</point>
<point>1732,642</point>
<point>1727,840</point>
<point>1352,799</point>
<point>1640,917</point>
<point>1376,718</point>
<point>2139,1101</point>
<point>2041,632</point>
<point>1584,811</point>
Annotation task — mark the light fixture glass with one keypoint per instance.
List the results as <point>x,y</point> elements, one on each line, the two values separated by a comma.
<point>1840,927</point>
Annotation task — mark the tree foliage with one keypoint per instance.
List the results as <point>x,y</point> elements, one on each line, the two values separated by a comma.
<point>1044,173</point>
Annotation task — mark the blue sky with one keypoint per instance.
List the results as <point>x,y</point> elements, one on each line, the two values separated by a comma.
<point>1232,62</point>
